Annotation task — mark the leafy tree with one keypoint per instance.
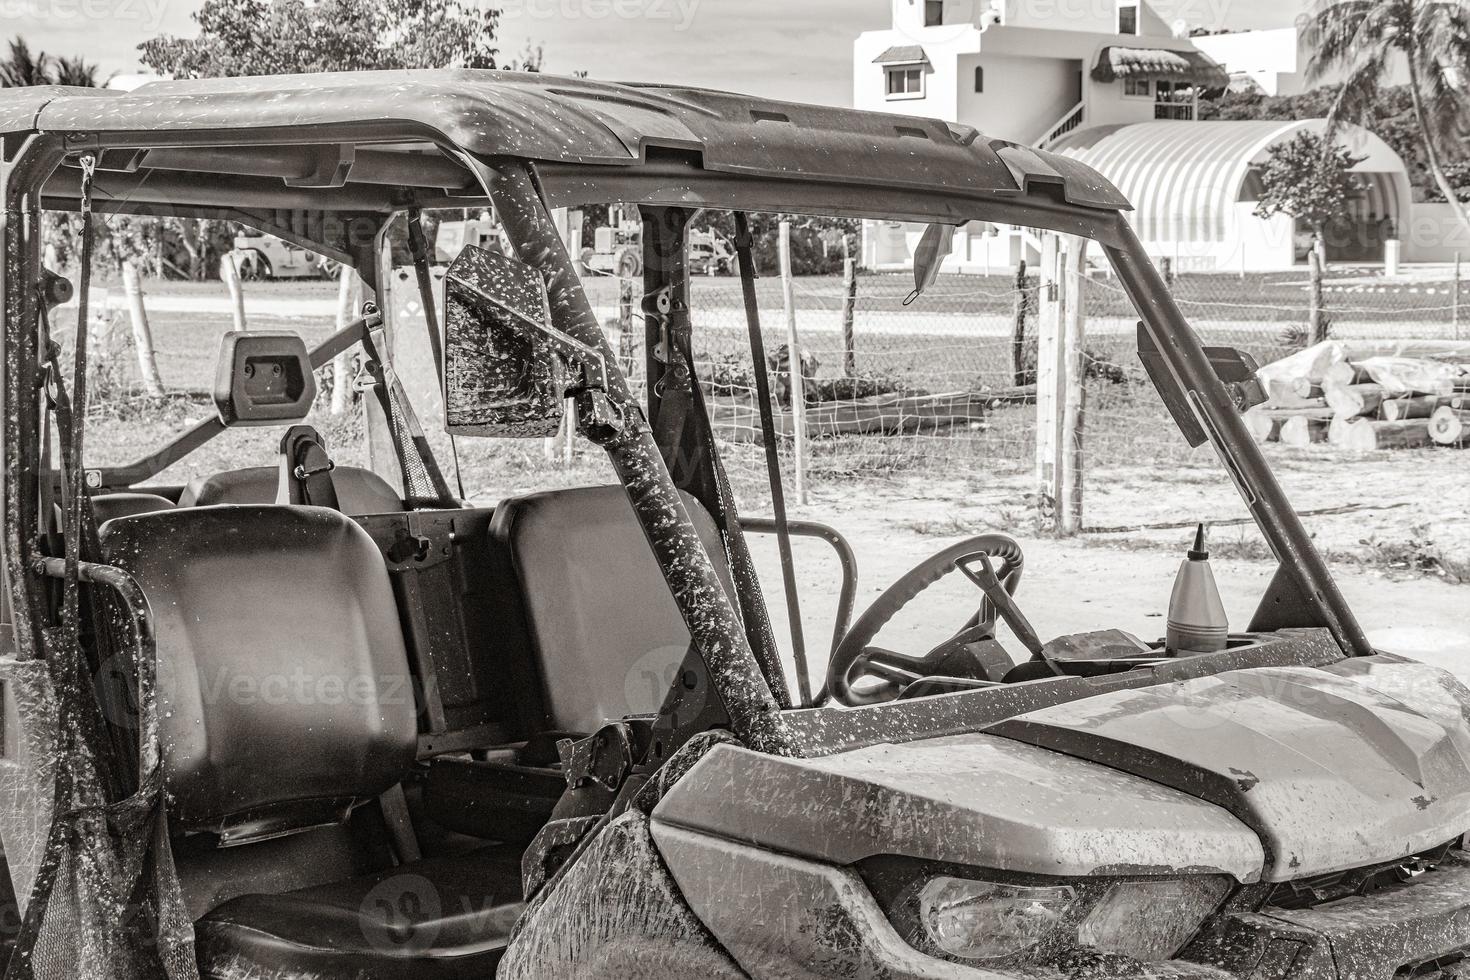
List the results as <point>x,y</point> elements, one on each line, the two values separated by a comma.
<point>1309,178</point>
<point>1391,118</point>
<point>272,37</point>
<point>1364,37</point>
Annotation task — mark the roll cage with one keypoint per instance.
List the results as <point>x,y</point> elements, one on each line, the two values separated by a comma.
<point>328,161</point>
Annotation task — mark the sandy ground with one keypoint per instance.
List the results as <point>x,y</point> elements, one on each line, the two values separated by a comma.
<point>1072,586</point>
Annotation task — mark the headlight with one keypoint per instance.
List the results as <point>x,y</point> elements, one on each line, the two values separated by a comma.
<point>1152,919</point>
<point>988,920</point>
<point>1002,920</point>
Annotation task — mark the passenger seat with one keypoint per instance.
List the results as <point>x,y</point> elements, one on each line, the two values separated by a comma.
<point>587,604</point>
<point>359,491</point>
<point>285,701</point>
<point>106,506</point>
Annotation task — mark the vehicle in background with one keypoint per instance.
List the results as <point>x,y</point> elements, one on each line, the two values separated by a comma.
<point>617,247</point>
<point>618,250</point>
<point>710,253</point>
<point>261,256</point>
<point>452,236</point>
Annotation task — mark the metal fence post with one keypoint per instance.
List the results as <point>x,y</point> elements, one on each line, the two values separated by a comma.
<point>793,348</point>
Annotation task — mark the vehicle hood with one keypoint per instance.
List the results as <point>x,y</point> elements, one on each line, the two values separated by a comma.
<point>1267,773</point>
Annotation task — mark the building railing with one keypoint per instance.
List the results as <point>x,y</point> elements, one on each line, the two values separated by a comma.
<point>1174,110</point>
<point>1072,119</point>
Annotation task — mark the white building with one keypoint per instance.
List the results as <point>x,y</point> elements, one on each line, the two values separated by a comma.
<point>1110,83</point>
<point>1028,69</point>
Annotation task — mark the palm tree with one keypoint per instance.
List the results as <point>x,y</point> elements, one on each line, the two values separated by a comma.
<point>74,71</point>
<point>1363,39</point>
<point>20,68</point>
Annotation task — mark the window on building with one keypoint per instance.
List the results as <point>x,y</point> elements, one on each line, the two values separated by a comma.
<point>979,78</point>
<point>906,82</point>
<point>1138,88</point>
<point>1128,18</point>
<point>933,13</point>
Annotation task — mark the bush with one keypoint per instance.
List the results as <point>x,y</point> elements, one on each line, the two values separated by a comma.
<point>1097,365</point>
<point>866,385</point>
<point>730,375</point>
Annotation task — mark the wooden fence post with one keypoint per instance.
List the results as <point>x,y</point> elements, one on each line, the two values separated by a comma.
<point>1018,332</point>
<point>627,294</point>
<point>849,313</point>
<point>1455,302</point>
<point>1316,320</point>
<point>142,333</point>
<point>230,273</point>
<point>1074,399</point>
<point>793,346</point>
<point>349,301</point>
<point>1059,388</point>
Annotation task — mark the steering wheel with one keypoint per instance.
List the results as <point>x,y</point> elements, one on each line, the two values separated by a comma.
<point>854,658</point>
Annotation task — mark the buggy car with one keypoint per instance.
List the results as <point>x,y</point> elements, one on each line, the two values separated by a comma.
<point>310,719</point>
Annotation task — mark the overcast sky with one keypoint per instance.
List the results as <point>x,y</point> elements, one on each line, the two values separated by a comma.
<point>797,49</point>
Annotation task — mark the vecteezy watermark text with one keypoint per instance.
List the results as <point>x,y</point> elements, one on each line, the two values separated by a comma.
<point>680,13</point>
<point>148,13</point>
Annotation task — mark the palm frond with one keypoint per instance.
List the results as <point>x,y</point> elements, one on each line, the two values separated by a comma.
<point>1441,53</point>
<point>74,71</point>
<point>1359,94</point>
<point>20,68</point>
<point>1338,33</point>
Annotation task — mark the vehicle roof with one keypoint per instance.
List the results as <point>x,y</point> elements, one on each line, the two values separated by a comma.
<point>554,120</point>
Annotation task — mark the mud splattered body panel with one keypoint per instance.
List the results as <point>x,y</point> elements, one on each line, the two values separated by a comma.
<point>975,800</point>
<point>1359,762</point>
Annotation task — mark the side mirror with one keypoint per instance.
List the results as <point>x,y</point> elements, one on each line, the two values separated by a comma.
<point>263,379</point>
<point>500,378</point>
<point>1235,369</point>
<point>507,370</point>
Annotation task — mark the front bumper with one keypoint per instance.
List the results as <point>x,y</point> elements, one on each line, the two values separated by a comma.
<point>780,916</point>
<point>1418,929</point>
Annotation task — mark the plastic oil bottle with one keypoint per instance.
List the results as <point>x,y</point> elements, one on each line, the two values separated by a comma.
<point>1197,621</point>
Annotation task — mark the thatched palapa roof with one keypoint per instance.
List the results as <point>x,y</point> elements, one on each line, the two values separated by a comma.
<point>1194,67</point>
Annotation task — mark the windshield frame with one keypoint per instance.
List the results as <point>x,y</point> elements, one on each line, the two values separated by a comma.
<point>523,192</point>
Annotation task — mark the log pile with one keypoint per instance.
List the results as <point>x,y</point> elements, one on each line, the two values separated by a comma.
<point>1363,396</point>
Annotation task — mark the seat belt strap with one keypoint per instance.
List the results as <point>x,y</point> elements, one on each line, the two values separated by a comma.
<point>76,483</point>
<point>308,469</point>
<point>746,261</point>
<point>418,247</point>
